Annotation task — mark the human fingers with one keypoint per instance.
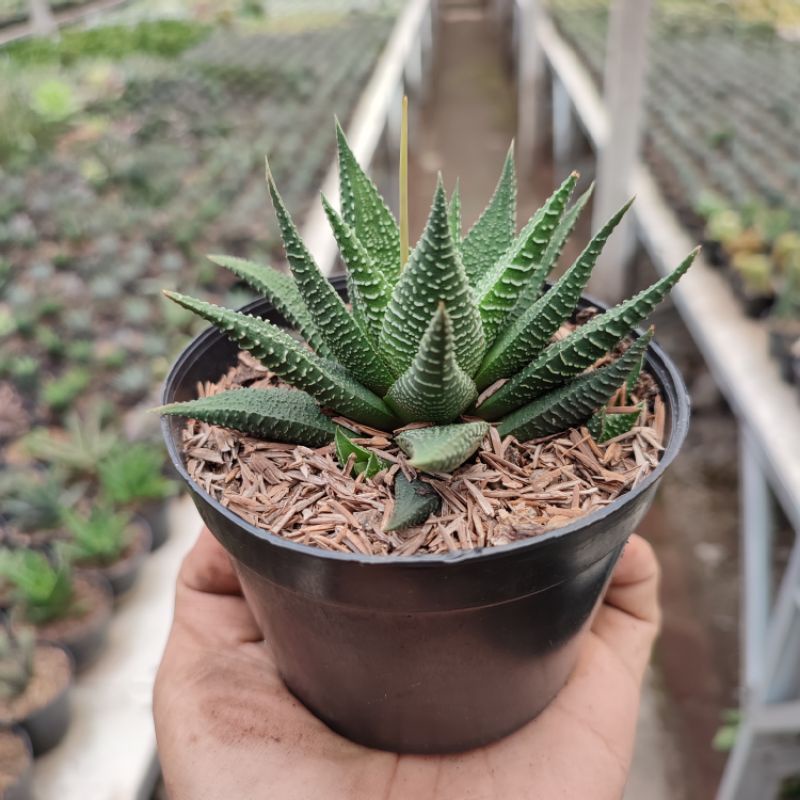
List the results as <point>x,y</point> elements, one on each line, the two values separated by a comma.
<point>209,607</point>
<point>630,616</point>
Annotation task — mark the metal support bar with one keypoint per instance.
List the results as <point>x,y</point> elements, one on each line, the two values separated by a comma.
<point>626,66</point>
<point>530,81</point>
<point>564,130</point>
<point>756,531</point>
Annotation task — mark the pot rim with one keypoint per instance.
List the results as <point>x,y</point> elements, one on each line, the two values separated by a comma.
<point>656,361</point>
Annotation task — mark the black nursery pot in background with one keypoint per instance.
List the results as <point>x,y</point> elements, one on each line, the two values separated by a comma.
<point>423,654</point>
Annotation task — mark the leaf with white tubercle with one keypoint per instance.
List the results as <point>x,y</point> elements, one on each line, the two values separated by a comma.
<point>574,403</point>
<point>494,230</point>
<point>345,338</point>
<point>434,388</point>
<point>530,332</point>
<point>278,415</point>
<point>370,291</point>
<point>434,274</point>
<point>535,281</point>
<point>281,291</point>
<point>442,448</point>
<point>294,363</point>
<point>499,289</point>
<point>414,502</point>
<point>454,216</point>
<point>568,357</point>
<point>605,425</point>
<point>365,211</point>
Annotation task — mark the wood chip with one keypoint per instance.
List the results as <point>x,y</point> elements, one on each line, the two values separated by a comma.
<point>509,491</point>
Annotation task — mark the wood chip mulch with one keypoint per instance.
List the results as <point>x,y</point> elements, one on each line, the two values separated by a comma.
<point>507,492</point>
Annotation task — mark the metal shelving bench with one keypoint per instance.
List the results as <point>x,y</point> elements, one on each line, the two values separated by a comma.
<point>735,348</point>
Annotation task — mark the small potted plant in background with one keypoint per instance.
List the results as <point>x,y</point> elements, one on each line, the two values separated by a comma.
<point>107,543</point>
<point>784,329</point>
<point>33,504</point>
<point>132,477</point>
<point>73,611</point>
<point>16,765</point>
<point>753,282</point>
<point>421,521</point>
<point>35,679</point>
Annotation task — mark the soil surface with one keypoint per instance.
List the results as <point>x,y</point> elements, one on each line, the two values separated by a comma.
<point>15,759</point>
<point>506,492</point>
<point>52,673</point>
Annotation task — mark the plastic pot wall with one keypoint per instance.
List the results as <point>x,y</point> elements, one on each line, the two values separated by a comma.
<point>423,654</point>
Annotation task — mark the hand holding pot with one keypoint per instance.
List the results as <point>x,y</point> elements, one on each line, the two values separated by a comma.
<point>227,727</point>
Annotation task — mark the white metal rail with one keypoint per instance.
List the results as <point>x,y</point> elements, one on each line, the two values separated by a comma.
<point>735,349</point>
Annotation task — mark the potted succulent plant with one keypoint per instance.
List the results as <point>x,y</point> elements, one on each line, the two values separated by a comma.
<point>73,611</point>
<point>784,328</point>
<point>35,679</point>
<point>108,543</point>
<point>132,477</point>
<point>16,765</point>
<point>421,522</point>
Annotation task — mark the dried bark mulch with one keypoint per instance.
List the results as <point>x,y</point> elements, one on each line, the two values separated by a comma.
<point>508,491</point>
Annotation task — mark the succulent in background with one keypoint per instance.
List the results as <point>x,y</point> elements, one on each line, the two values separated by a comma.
<point>99,538</point>
<point>133,473</point>
<point>85,441</point>
<point>60,393</point>
<point>42,587</point>
<point>424,338</point>
<point>33,502</point>
<point>17,648</point>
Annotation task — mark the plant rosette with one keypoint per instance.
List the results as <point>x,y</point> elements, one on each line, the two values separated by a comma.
<point>35,682</point>
<point>111,545</point>
<point>411,627</point>
<point>16,765</point>
<point>132,477</point>
<point>66,609</point>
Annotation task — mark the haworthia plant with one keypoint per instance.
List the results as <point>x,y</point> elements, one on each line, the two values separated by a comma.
<point>420,340</point>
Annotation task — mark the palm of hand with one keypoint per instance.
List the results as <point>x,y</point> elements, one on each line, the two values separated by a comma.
<point>228,728</point>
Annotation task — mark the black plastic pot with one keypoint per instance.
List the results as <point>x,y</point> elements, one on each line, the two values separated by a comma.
<point>47,725</point>
<point>423,654</point>
<point>83,642</point>
<point>122,574</point>
<point>22,787</point>
<point>156,514</point>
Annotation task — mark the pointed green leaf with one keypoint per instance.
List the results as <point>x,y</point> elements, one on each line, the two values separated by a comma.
<point>454,216</point>
<point>604,426</point>
<point>279,415</point>
<point>444,448</point>
<point>290,360</point>
<point>500,287</point>
<point>530,332</point>
<point>533,285</point>
<point>414,502</point>
<point>281,290</point>
<point>434,388</point>
<point>574,403</point>
<point>366,461</point>
<point>349,343</point>
<point>366,213</point>
<point>570,356</point>
<point>370,291</point>
<point>434,274</point>
<point>494,231</point>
